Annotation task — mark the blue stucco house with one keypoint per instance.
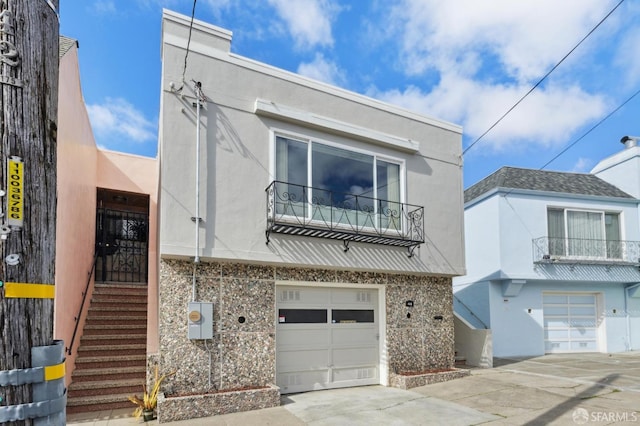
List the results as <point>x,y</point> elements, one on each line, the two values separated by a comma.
<point>553,259</point>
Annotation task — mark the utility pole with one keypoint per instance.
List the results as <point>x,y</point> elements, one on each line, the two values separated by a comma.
<point>29,46</point>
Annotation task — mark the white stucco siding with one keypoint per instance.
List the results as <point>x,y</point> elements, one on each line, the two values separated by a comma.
<point>633,311</point>
<point>473,303</point>
<point>237,152</point>
<point>482,242</point>
<point>516,332</point>
<point>517,323</point>
<point>523,218</point>
<point>622,170</point>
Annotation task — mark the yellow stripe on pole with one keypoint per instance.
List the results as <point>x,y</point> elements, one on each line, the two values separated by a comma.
<point>53,372</point>
<point>29,291</point>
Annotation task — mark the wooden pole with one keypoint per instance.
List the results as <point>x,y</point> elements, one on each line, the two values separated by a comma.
<point>29,32</point>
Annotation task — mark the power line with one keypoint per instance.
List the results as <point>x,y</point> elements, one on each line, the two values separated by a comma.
<point>590,130</point>
<point>541,80</point>
<point>186,55</point>
<point>584,135</point>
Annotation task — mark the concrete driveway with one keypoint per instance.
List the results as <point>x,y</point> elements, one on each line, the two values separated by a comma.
<point>552,389</point>
<point>594,389</point>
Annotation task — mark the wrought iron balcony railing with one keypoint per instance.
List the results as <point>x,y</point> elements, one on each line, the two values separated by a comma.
<point>315,212</point>
<point>578,250</point>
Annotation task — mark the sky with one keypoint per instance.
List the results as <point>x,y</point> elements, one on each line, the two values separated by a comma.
<point>467,62</point>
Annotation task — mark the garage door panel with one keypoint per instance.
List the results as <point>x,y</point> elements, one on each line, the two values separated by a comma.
<point>313,353</point>
<point>301,360</point>
<point>354,356</point>
<point>582,299</point>
<point>570,323</point>
<point>557,346</point>
<point>585,333</point>
<point>302,296</point>
<point>353,296</point>
<point>360,373</point>
<point>583,310</point>
<point>303,337</point>
<point>555,322</point>
<point>353,336</point>
<point>300,381</point>
<point>590,346</point>
<point>582,322</point>
<point>555,298</point>
<point>556,310</point>
<point>557,334</point>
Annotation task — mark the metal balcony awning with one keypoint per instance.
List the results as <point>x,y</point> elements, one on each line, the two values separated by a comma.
<point>312,212</point>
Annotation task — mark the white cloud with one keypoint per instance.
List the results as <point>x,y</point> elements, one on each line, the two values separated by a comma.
<point>628,57</point>
<point>117,118</point>
<point>583,165</point>
<point>308,21</point>
<point>218,6</point>
<point>546,117</point>
<point>525,38</point>
<point>489,54</point>
<point>323,70</point>
<point>104,7</point>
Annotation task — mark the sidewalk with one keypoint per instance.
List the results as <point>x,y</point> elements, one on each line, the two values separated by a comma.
<point>553,389</point>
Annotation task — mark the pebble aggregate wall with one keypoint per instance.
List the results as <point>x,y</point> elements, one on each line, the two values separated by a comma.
<point>408,382</point>
<point>242,352</point>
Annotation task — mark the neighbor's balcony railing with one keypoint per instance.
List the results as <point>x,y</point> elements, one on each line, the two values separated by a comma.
<point>315,212</point>
<point>578,250</point>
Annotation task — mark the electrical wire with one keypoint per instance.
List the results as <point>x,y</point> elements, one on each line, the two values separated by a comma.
<point>186,55</point>
<point>584,135</point>
<point>541,80</point>
<point>591,129</point>
<point>53,7</point>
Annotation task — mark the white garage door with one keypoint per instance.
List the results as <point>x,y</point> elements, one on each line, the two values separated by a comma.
<point>570,323</point>
<point>326,338</point>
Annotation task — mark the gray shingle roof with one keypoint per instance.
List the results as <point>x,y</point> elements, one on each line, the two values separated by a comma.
<point>542,180</point>
<point>65,44</point>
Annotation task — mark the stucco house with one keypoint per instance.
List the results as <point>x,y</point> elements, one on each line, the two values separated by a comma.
<point>105,306</point>
<point>308,234</point>
<point>291,236</point>
<point>552,263</point>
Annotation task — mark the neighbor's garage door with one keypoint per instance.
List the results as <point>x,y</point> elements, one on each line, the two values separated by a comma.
<point>326,338</point>
<point>570,323</point>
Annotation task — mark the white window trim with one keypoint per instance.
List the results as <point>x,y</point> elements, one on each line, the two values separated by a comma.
<point>283,112</point>
<point>602,213</point>
<point>275,133</point>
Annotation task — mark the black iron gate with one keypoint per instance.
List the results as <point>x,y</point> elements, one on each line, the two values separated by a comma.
<point>122,246</point>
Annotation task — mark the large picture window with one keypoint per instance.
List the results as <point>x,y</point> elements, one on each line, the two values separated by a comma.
<point>578,233</point>
<point>338,185</point>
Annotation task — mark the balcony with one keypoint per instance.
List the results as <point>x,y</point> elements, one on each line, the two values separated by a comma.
<point>585,251</point>
<point>313,212</point>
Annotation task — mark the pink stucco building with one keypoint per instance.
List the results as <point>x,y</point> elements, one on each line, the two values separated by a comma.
<point>102,197</point>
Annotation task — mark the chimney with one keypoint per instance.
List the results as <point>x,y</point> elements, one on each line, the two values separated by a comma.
<point>629,141</point>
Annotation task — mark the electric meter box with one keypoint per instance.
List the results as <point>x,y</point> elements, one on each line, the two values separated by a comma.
<point>200,320</point>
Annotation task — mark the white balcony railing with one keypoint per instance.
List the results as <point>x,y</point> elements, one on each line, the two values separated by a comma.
<point>579,250</point>
<point>314,212</point>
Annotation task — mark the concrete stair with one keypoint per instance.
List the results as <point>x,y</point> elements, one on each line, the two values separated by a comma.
<point>460,360</point>
<point>112,356</point>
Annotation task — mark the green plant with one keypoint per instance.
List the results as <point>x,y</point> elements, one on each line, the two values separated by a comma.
<point>149,399</point>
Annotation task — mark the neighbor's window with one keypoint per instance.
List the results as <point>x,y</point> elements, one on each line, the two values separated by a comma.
<point>338,185</point>
<point>581,233</point>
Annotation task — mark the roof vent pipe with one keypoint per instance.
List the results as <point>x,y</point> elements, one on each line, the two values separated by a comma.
<point>629,141</point>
